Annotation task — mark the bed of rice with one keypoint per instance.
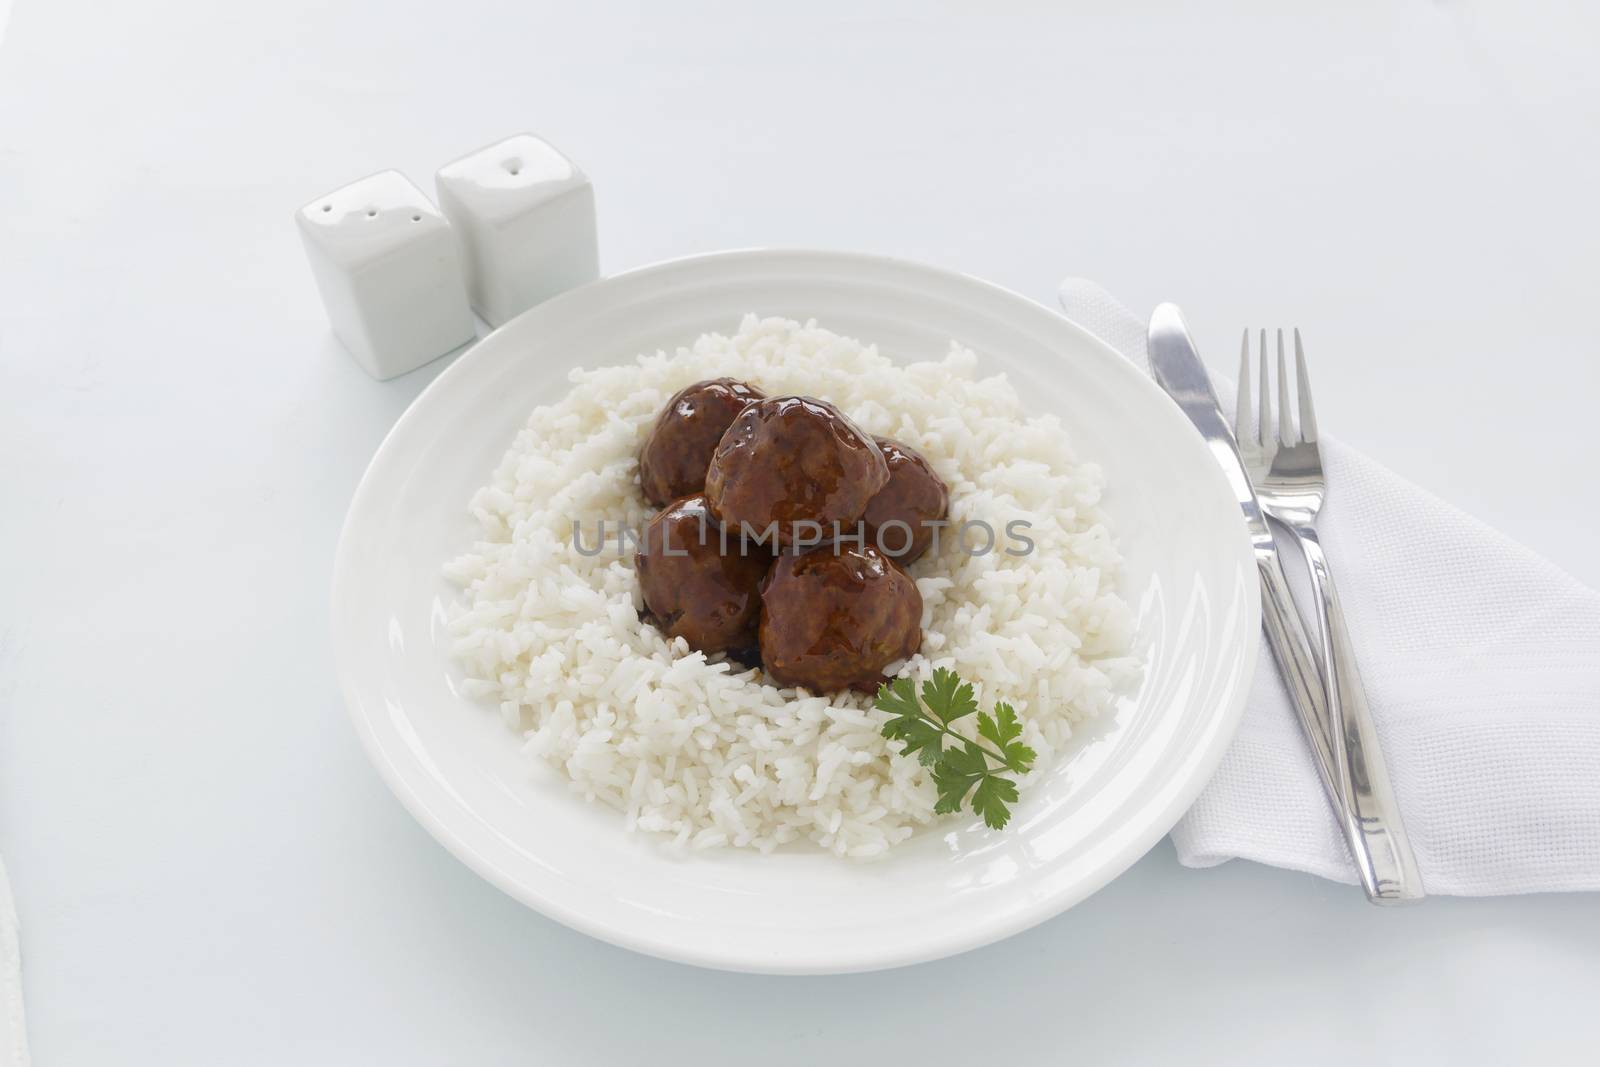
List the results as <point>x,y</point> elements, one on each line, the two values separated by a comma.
<point>704,752</point>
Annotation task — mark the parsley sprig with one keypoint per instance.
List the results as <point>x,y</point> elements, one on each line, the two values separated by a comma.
<point>968,765</point>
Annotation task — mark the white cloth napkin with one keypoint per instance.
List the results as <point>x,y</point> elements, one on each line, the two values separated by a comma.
<point>1482,666</point>
<point>13,1039</point>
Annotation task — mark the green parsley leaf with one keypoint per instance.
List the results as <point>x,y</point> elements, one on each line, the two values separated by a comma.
<point>921,736</point>
<point>968,759</point>
<point>926,740</point>
<point>990,799</point>
<point>952,791</point>
<point>899,697</point>
<point>1003,730</point>
<point>955,774</point>
<point>965,767</point>
<point>948,697</point>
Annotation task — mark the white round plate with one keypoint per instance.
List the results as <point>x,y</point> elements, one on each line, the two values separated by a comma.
<point>457,767</point>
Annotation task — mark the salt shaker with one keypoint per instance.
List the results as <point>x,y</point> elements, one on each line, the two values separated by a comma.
<point>524,214</point>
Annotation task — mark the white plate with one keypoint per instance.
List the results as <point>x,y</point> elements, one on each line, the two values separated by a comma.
<point>1082,822</point>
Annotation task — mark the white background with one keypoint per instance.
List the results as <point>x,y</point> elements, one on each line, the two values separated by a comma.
<point>207,870</point>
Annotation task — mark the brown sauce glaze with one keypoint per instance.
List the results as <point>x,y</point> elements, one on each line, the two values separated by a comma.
<point>914,496</point>
<point>693,588</point>
<point>674,458</point>
<point>833,620</point>
<point>790,460</point>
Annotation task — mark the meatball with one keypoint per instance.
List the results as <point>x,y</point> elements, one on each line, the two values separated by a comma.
<point>915,496</point>
<point>835,617</point>
<point>674,458</point>
<point>692,587</point>
<point>791,460</point>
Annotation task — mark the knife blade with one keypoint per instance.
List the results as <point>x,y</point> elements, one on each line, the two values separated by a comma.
<point>1176,367</point>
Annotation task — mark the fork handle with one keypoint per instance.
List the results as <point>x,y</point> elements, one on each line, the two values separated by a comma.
<point>1371,818</point>
<point>1301,674</point>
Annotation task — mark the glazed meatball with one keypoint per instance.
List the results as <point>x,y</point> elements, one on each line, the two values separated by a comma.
<point>793,459</point>
<point>914,496</point>
<point>692,587</point>
<point>674,458</point>
<point>834,619</point>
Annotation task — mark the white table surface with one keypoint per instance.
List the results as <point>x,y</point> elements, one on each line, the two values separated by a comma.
<point>206,868</point>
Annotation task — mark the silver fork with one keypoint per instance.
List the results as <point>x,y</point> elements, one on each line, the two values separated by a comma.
<point>1286,468</point>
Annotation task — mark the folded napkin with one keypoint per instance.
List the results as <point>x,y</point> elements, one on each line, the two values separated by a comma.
<point>13,1041</point>
<point>1482,667</point>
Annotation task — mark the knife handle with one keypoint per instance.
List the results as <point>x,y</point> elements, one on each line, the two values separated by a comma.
<point>1388,868</point>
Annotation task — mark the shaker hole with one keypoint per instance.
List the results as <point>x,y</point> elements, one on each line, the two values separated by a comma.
<point>327,207</point>
<point>372,212</point>
<point>514,166</point>
<point>416,218</point>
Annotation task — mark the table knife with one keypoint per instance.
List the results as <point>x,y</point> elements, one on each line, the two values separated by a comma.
<point>1175,364</point>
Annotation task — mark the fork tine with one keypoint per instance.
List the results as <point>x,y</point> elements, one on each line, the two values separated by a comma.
<point>1241,406</point>
<point>1286,435</point>
<point>1308,418</point>
<point>1264,413</point>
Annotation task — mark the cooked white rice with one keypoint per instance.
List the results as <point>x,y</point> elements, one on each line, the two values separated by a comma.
<point>707,752</point>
